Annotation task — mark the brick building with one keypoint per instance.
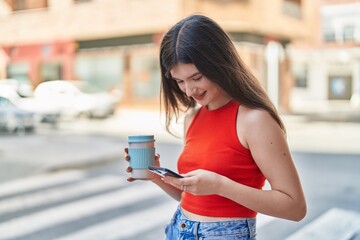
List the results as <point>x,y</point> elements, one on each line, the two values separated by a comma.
<point>115,43</point>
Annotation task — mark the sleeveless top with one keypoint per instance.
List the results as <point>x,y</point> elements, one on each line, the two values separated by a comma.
<point>212,144</point>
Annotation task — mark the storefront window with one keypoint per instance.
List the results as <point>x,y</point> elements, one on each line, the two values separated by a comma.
<point>104,72</point>
<point>146,76</point>
<point>19,71</point>
<point>50,71</point>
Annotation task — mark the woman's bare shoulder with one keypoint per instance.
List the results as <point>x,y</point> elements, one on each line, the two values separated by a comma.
<point>253,116</point>
<point>254,122</point>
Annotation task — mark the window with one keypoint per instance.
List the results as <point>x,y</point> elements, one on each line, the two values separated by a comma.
<point>50,71</point>
<point>19,71</point>
<point>300,71</point>
<point>20,5</point>
<point>292,8</point>
<point>105,72</point>
<point>329,35</point>
<point>339,87</point>
<point>146,75</point>
<point>349,32</point>
<point>81,1</point>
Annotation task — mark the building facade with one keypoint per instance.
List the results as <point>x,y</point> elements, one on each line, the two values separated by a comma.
<point>114,44</point>
<point>327,68</point>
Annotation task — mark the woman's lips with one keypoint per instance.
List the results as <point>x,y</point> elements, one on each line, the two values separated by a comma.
<point>199,97</point>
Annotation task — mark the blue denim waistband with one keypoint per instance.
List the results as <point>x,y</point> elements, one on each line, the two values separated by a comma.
<point>243,227</point>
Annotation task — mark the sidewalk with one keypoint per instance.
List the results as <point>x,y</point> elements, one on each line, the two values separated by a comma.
<point>86,142</point>
<point>305,133</point>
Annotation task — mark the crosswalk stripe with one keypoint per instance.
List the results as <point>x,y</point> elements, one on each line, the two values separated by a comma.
<point>262,220</point>
<point>58,194</point>
<point>335,224</point>
<point>77,210</point>
<point>39,181</point>
<point>126,227</point>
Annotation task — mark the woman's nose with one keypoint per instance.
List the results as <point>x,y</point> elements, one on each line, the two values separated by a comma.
<point>189,90</point>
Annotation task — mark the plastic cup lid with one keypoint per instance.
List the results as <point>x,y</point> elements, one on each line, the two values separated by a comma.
<point>141,138</point>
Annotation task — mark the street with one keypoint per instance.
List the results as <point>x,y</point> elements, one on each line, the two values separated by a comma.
<point>94,201</point>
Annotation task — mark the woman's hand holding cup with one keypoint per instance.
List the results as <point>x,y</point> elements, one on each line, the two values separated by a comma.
<point>129,168</point>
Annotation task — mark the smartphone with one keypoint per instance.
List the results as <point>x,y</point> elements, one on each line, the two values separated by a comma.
<point>164,172</point>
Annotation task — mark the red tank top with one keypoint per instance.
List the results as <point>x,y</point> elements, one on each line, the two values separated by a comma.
<point>212,144</point>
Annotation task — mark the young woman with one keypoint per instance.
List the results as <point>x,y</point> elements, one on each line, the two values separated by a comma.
<point>234,139</point>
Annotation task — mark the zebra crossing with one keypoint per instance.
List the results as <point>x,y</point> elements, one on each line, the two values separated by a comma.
<point>74,205</point>
<point>71,205</point>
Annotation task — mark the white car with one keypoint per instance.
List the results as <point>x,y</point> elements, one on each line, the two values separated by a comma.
<point>76,98</point>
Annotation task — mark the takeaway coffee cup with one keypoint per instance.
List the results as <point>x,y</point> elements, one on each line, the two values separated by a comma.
<point>142,155</point>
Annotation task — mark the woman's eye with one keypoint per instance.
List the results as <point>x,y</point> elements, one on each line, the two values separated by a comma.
<point>197,78</point>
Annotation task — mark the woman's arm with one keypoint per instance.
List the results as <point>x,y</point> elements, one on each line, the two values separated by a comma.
<point>173,192</point>
<point>259,132</point>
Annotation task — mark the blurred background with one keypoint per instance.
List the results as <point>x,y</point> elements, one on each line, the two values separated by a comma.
<point>78,76</point>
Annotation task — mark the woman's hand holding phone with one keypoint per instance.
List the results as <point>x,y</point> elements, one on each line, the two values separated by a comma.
<point>163,172</point>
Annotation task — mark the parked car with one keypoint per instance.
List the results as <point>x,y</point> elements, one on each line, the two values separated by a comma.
<point>43,111</point>
<point>22,89</point>
<point>76,98</point>
<point>13,119</point>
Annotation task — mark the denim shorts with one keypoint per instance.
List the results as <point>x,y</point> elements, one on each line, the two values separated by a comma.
<point>181,228</point>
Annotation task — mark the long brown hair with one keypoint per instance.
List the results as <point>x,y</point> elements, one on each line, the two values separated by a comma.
<point>200,41</point>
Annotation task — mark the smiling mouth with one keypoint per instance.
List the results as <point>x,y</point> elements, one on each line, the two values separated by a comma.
<point>199,97</point>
